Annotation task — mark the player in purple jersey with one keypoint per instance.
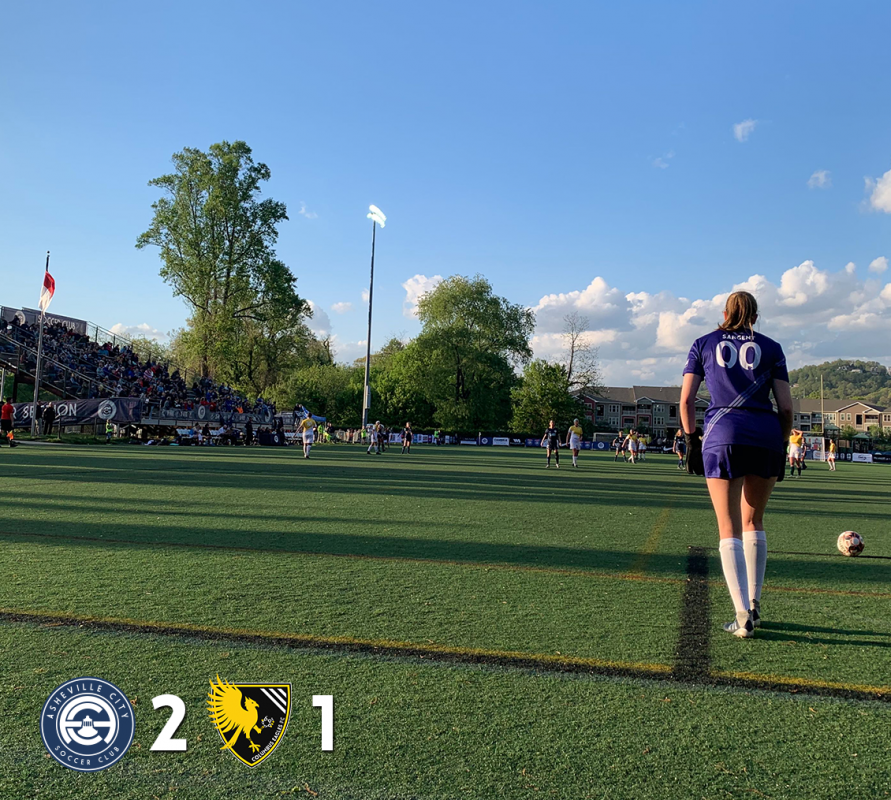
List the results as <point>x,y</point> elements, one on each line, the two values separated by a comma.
<point>743,444</point>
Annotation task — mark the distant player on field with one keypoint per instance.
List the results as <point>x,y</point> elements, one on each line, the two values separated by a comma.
<point>796,438</point>
<point>407,436</point>
<point>830,456</point>
<point>631,445</point>
<point>741,451</point>
<point>552,437</point>
<point>376,434</point>
<point>619,446</point>
<point>308,428</point>
<point>574,441</point>
<point>680,448</point>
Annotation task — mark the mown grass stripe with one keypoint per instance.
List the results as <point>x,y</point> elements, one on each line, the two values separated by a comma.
<point>642,559</point>
<point>500,565</point>
<point>579,573</point>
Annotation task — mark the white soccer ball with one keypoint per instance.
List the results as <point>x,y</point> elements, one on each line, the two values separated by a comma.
<point>850,543</point>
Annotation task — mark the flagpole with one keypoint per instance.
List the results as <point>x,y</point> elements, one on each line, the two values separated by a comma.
<point>366,394</point>
<point>34,430</point>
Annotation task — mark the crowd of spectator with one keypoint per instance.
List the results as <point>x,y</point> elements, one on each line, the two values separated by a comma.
<point>89,369</point>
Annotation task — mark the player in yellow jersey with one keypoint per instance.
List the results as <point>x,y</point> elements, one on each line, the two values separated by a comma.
<point>308,429</point>
<point>796,438</point>
<point>631,445</point>
<point>574,441</point>
<point>830,456</point>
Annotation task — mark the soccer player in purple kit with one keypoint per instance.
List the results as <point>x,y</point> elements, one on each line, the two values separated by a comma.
<point>743,445</point>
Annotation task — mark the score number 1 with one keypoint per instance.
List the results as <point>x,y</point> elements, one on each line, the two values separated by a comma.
<point>165,743</point>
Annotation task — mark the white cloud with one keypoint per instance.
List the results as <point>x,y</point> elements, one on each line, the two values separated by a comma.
<point>346,352</point>
<point>415,287</point>
<point>342,308</point>
<point>143,330</point>
<point>308,214</point>
<point>878,265</point>
<point>815,314</point>
<point>802,283</point>
<point>662,161</point>
<point>365,295</point>
<point>821,179</point>
<point>880,192</point>
<point>743,130</point>
<point>850,267</point>
<point>319,323</point>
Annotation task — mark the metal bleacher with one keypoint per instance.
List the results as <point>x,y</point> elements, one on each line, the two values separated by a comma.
<point>63,381</point>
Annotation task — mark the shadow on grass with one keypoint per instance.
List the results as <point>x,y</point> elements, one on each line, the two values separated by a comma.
<point>385,546</point>
<point>791,626</point>
<point>364,546</point>
<point>294,478</point>
<point>313,490</point>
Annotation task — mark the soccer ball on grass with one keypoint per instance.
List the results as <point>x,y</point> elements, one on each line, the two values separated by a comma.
<point>850,543</point>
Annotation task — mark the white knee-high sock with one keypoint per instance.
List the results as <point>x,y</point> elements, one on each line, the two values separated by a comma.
<point>755,547</point>
<point>733,562</point>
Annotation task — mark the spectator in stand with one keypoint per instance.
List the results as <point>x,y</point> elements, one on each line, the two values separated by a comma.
<point>7,414</point>
<point>49,417</point>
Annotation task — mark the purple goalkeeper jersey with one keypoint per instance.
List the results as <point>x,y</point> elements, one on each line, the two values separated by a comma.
<point>739,370</point>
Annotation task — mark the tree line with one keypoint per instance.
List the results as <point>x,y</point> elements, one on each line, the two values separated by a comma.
<point>470,368</point>
<point>844,380</point>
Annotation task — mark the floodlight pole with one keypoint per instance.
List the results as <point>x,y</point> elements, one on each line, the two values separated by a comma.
<point>35,425</point>
<point>366,397</point>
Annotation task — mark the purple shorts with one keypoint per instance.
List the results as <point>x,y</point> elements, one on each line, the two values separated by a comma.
<point>738,460</point>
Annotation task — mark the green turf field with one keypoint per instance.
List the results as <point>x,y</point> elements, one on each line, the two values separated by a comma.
<point>488,628</point>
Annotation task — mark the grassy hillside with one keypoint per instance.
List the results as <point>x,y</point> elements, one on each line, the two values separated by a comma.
<point>857,380</point>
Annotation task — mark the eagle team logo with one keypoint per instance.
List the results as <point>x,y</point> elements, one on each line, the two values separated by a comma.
<point>87,724</point>
<point>251,717</point>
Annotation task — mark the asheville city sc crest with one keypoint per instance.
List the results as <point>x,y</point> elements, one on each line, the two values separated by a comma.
<point>87,724</point>
<point>250,717</point>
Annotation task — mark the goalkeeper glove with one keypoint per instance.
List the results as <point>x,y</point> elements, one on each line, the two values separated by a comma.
<point>694,452</point>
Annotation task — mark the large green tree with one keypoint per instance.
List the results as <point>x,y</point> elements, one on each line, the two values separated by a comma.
<point>217,241</point>
<point>463,362</point>
<point>329,390</point>
<point>543,395</point>
<point>397,395</point>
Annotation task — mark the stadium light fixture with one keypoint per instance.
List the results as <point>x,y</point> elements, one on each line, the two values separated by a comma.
<point>377,217</point>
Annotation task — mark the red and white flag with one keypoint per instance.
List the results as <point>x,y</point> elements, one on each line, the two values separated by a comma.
<point>47,292</point>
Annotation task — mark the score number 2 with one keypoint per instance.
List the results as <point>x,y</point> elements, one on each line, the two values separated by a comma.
<point>165,743</point>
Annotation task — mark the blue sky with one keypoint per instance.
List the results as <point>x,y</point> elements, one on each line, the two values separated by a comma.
<point>582,156</point>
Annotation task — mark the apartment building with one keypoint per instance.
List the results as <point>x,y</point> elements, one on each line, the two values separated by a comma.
<point>654,408</point>
<point>839,414</point>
